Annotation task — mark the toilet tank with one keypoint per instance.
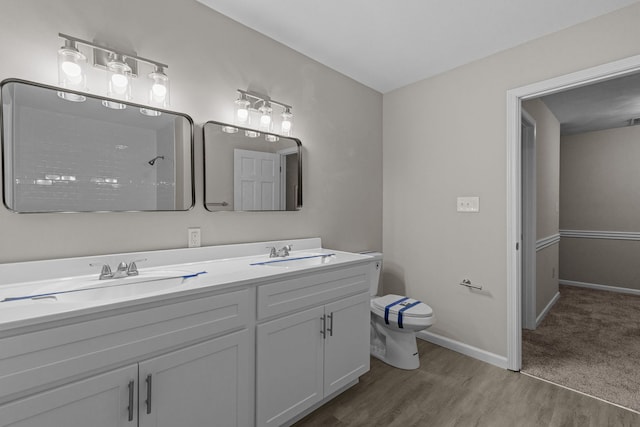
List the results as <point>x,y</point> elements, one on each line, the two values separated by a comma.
<point>375,270</point>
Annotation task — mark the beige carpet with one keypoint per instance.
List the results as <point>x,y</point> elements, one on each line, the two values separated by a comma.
<point>590,342</point>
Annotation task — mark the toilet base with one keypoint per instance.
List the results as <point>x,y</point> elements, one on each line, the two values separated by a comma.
<point>394,347</point>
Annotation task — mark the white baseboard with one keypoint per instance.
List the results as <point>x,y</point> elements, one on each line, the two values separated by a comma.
<point>601,287</point>
<point>544,312</point>
<point>466,349</point>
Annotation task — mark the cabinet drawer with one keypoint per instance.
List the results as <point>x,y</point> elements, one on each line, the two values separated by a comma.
<point>309,290</point>
<point>52,355</point>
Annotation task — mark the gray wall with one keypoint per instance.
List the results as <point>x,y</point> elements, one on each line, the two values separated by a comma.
<point>445,137</point>
<point>338,120</point>
<point>599,192</point>
<point>547,199</point>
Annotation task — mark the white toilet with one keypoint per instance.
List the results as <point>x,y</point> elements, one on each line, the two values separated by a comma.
<point>395,319</point>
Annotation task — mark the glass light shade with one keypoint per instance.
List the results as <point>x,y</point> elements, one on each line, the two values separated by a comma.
<point>251,133</point>
<point>229,129</point>
<point>71,73</point>
<point>271,138</point>
<point>241,116</point>
<point>287,122</point>
<point>118,83</point>
<point>265,118</point>
<point>159,92</point>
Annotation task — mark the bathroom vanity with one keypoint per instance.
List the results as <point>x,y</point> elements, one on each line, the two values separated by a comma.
<point>213,336</point>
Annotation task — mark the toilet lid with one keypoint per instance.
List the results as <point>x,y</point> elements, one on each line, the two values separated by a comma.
<point>418,310</point>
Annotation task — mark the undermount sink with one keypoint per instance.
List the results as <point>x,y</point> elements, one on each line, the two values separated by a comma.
<point>299,260</point>
<point>145,285</point>
<point>80,290</point>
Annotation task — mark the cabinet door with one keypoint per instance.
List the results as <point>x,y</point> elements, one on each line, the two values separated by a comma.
<point>99,401</point>
<point>289,366</point>
<point>346,348</point>
<point>204,385</point>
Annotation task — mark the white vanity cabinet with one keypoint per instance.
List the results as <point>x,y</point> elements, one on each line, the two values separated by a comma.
<point>248,344</point>
<point>205,384</point>
<point>98,401</point>
<point>305,357</point>
<point>178,376</point>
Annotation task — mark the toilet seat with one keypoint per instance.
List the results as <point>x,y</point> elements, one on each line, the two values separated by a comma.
<point>414,318</point>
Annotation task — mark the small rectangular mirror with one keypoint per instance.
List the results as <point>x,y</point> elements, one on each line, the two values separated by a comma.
<point>247,170</point>
<point>76,152</point>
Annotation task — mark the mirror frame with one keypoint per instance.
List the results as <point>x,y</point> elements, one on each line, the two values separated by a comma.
<point>100,98</point>
<point>204,167</point>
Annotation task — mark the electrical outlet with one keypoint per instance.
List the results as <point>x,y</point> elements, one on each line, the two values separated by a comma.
<point>193,236</point>
<point>468,204</point>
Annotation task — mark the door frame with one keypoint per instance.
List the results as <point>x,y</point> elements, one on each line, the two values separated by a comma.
<point>283,175</point>
<point>514,182</point>
<point>529,216</point>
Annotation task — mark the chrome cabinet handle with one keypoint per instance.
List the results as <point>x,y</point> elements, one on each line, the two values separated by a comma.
<point>324,326</point>
<point>330,328</point>
<point>148,401</point>
<point>130,408</point>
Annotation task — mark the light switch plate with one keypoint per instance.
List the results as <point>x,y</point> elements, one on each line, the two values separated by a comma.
<point>468,204</point>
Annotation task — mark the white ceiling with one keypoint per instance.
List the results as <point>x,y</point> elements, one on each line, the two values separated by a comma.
<point>605,105</point>
<point>387,44</point>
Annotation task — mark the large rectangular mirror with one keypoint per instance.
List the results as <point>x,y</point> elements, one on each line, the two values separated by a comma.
<point>246,170</point>
<point>76,152</point>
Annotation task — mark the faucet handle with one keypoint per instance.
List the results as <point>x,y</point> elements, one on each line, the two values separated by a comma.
<point>105,273</point>
<point>132,270</point>
<point>272,253</point>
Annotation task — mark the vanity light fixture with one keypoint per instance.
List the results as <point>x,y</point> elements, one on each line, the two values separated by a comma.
<point>121,68</point>
<point>262,105</point>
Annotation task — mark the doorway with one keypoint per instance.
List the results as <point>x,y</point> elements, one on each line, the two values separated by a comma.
<point>515,253</point>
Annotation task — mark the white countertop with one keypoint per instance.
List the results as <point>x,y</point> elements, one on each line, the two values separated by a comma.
<point>224,267</point>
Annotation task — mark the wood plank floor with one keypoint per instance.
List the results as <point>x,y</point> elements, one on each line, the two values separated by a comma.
<point>451,389</point>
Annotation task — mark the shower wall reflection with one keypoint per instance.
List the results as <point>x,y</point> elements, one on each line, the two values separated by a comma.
<point>82,157</point>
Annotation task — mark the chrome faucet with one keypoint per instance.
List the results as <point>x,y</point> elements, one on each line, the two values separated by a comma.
<point>282,252</point>
<point>123,270</point>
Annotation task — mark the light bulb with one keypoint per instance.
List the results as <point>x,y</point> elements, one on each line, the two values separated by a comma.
<point>265,120</point>
<point>242,114</point>
<point>120,83</point>
<point>72,70</point>
<point>159,92</point>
